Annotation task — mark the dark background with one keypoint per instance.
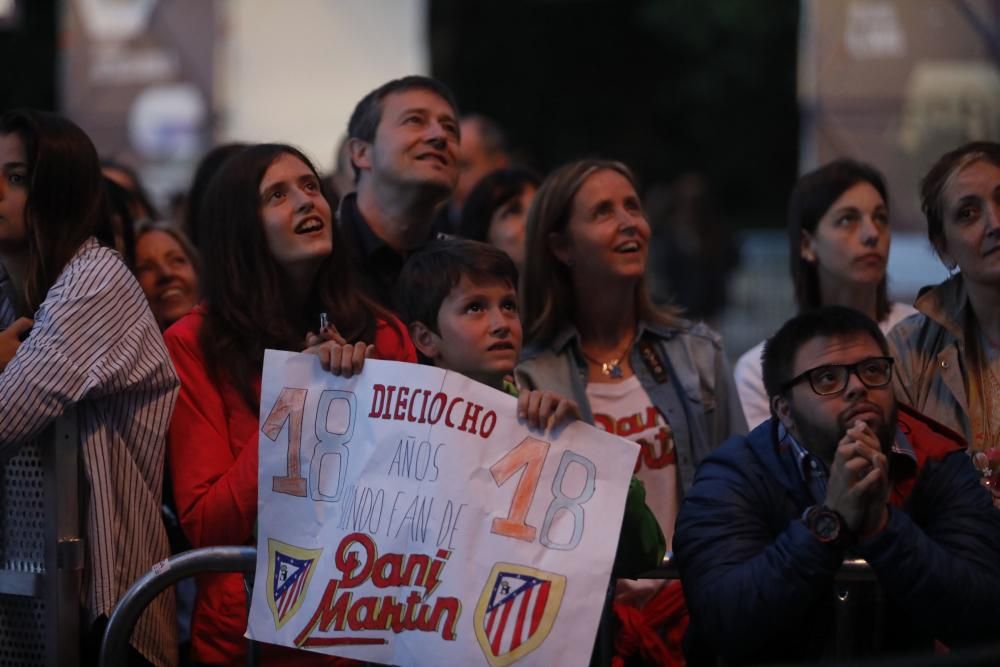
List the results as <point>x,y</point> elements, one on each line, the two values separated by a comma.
<point>667,86</point>
<point>28,56</point>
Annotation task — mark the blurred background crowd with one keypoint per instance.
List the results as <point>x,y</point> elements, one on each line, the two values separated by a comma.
<point>716,105</point>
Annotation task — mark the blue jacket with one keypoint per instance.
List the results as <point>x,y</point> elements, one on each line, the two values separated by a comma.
<point>758,584</point>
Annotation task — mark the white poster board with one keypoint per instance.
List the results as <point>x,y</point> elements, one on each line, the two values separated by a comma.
<point>406,517</point>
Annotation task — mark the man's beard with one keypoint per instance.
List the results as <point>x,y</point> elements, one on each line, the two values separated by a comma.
<point>822,439</point>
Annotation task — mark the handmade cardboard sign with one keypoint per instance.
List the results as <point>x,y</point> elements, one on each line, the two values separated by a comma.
<point>407,517</point>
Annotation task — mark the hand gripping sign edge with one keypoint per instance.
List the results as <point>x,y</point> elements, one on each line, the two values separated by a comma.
<point>285,597</point>
<point>516,611</point>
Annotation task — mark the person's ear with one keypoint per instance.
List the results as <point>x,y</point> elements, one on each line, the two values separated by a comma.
<point>807,247</point>
<point>783,411</point>
<point>559,247</point>
<point>360,151</point>
<point>425,340</point>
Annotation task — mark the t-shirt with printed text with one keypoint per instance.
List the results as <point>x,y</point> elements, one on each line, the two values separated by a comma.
<point>624,409</point>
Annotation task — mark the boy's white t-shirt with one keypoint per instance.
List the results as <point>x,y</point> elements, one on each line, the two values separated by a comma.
<point>624,409</point>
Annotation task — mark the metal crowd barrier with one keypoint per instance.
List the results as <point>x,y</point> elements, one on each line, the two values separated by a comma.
<point>853,572</point>
<point>41,550</point>
<point>114,647</point>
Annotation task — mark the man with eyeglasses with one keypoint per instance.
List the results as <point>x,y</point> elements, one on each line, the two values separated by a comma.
<point>840,470</point>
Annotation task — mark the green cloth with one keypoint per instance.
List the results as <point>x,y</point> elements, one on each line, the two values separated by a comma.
<point>641,545</point>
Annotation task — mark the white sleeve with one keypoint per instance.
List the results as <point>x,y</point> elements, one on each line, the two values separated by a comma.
<point>749,380</point>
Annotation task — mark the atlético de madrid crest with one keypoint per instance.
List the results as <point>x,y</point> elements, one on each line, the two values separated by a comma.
<point>516,611</point>
<point>289,570</point>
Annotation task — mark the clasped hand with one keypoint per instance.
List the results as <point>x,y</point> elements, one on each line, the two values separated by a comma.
<point>858,488</point>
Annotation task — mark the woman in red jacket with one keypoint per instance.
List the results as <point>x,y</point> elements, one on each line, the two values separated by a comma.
<point>273,264</point>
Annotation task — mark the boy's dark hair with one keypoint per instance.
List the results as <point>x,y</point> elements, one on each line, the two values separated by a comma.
<point>778,358</point>
<point>431,273</point>
<point>368,112</point>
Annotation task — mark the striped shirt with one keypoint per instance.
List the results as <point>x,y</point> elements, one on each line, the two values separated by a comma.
<point>95,344</point>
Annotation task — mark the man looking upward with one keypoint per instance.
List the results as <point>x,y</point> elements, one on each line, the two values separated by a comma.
<point>404,141</point>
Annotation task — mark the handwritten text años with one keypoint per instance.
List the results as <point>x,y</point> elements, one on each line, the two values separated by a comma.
<point>339,611</point>
<point>424,406</point>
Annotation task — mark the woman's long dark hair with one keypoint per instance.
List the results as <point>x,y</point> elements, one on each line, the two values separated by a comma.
<point>814,194</point>
<point>209,166</point>
<point>491,192</point>
<point>65,204</point>
<point>246,291</point>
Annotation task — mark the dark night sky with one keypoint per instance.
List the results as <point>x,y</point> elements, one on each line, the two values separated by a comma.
<point>666,86</point>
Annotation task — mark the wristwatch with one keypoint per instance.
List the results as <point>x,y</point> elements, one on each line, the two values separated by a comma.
<point>826,524</point>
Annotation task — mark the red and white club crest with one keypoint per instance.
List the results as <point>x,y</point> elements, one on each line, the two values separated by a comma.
<point>516,611</point>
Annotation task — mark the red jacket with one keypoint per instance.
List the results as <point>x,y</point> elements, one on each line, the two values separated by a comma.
<point>212,454</point>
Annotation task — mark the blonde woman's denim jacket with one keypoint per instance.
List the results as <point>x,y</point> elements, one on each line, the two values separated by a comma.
<point>697,397</point>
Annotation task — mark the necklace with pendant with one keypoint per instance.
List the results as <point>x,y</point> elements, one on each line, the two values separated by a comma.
<point>611,368</point>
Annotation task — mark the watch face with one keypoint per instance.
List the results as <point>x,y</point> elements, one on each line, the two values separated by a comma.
<point>827,527</point>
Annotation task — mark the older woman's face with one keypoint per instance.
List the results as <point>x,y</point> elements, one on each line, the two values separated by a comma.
<point>972,222</point>
<point>606,241</point>
<point>850,244</point>
<point>166,275</point>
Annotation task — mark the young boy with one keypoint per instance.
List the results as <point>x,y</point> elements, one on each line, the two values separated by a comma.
<point>459,299</point>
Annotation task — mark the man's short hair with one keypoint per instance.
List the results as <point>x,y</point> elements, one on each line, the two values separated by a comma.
<point>368,112</point>
<point>432,272</point>
<point>778,358</point>
<point>491,135</point>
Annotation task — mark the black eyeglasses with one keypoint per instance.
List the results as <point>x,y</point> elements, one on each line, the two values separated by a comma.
<point>832,378</point>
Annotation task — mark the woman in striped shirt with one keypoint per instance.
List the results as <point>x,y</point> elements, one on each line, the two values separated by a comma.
<point>273,264</point>
<point>89,340</point>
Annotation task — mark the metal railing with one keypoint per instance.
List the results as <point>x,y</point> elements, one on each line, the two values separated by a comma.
<point>114,648</point>
<point>166,573</point>
<point>41,549</point>
<point>853,572</point>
